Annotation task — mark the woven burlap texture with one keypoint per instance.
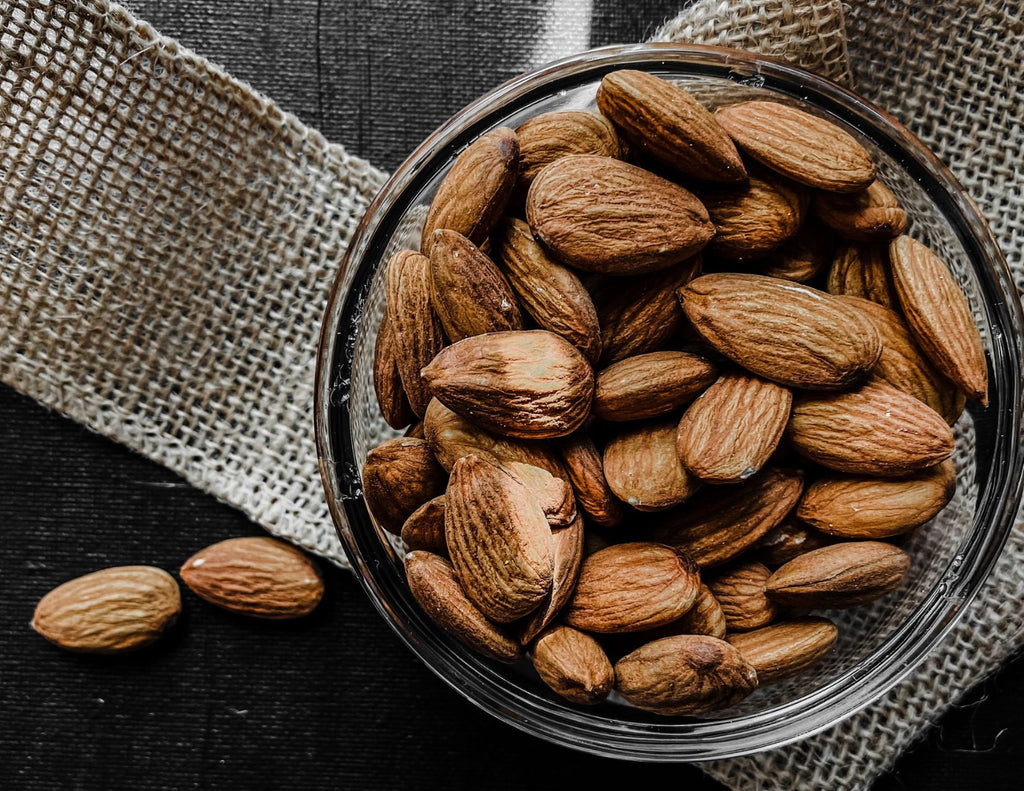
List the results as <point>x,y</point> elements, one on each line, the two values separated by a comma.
<point>167,238</point>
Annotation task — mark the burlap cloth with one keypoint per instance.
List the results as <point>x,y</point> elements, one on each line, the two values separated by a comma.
<point>167,237</point>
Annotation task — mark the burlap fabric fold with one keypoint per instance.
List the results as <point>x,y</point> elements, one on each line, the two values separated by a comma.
<point>167,237</point>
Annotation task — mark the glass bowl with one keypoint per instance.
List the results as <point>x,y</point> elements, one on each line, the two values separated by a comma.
<point>878,644</point>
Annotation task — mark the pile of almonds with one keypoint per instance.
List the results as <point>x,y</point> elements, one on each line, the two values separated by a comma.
<point>674,379</point>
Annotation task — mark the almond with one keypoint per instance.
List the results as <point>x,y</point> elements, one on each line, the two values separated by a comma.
<point>686,674</point>
<point>729,432</point>
<point>566,557</point>
<point>553,494</point>
<point>939,316</point>
<point>705,617</point>
<point>433,584</point>
<point>551,136</point>
<point>109,611</point>
<point>785,541</point>
<point>632,587</point>
<point>871,215</point>
<point>740,591</point>
<point>786,332</point>
<point>424,529</point>
<point>603,215</point>
<point>475,191</point>
<point>498,539</point>
<point>573,664</point>
<point>802,258</point>
<point>853,507</point>
<point>874,430</point>
<point>257,576</point>
<point>804,147</point>
<point>786,649</point>
<point>753,219</point>
<point>666,122</point>
<point>642,468</point>
<point>387,382</point>
<point>585,469</point>
<point>531,384</point>
<point>840,575</point>
<point>650,385</point>
<point>398,477</point>
<point>863,271</point>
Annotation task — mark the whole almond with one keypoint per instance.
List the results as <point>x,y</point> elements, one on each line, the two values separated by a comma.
<point>553,494</point>
<point>686,674</point>
<point>603,215</point>
<point>785,541</point>
<point>650,385</point>
<point>498,539</point>
<point>573,664</point>
<point>721,522</point>
<point>109,611</point>
<point>786,649</point>
<point>643,469</point>
<point>632,587</point>
<point>740,591</point>
<point>939,316</point>
<point>728,434</point>
<point>398,477</point>
<point>668,123</point>
<point>257,576</point>
<point>863,270</point>
<point>566,557</point>
<point>475,191</point>
<point>840,575</point>
<point>753,219</point>
<point>433,584</point>
<point>585,469</point>
<point>785,332</point>
<point>550,292</point>
<point>874,430</point>
<point>855,507</point>
<point>424,529</point>
<point>705,617</point>
<point>387,382</point>
<point>550,136</point>
<point>469,293</point>
<point>871,215</point>
<point>528,384</point>
<point>804,147</point>
<point>802,258</point>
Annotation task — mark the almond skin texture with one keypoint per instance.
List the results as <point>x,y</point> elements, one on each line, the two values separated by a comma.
<point>498,539</point>
<point>840,575</point>
<point>851,507</point>
<point>804,147</point>
<point>863,271</point>
<point>256,576</point>
<point>642,468</point>
<point>549,292</point>
<point>585,469</point>
<point>705,617</point>
<point>424,529</point>
<point>666,122</point>
<point>729,432</point>
<point>553,494</point>
<point>786,541</point>
<point>873,215</point>
<point>686,674</point>
<point>566,557</point>
<point>110,611</point>
<point>433,584</point>
<point>786,649</point>
<point>802,258</point>
<point>530,385</point>
<point>740,591</point>
<point>939,316</point>
<point>874,430</point>
<point>398,477</point>
<point>474,193</point>
<point>603,215</point>
<point>387,382</point>
<point>650,385</point>
<point>573,664</point>
<point>753,219</point>
<point>720,523</point>
<point>632,587</point>
<point>470,294</point>
<point>785,332</point>
<point>551,136</point>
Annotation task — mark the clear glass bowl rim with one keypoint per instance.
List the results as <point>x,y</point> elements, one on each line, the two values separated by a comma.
<point>479,682</point>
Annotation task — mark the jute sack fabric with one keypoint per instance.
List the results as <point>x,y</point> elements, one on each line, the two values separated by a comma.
<point>167,236</point>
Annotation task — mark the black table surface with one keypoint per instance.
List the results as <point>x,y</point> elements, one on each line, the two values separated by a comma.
<point>333,700</point>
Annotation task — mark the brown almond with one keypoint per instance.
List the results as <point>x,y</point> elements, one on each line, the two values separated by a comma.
<point>802,258</point>
<point>785,332</point>
<point>863,270</point>
<point>256,576</point>
<point>387,382</point>
<point>650,385</point>
<point>474,193</point>
<point>686,674</point>
<point>573,664</point>
<point>840,575</point>
<point>728,434</point>
<point>786,649</point>
<point>642,468</point>
<point>109,611</point>
<point>740,591</point>
<point>662,586</point>
<point>668,123</point>
<point>551,136</point>
<point>603,215</point>
<point>433,584</point>
<point>939,316</point>
<point>872,215</point>
<point>498,539</point>
<point>705,617</point>
<point>753,219</point>
<point>553,494</point>
<point>785,541</point>
<point>398,477</point>
<point>874,430</point>
<point>801,146</point>
<point>566,557</point>
<point>424,529</point>
<point>585,469</point>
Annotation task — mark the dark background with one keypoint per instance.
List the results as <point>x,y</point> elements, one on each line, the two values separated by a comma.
<point>334,700</point>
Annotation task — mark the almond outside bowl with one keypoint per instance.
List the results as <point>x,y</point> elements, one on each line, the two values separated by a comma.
<point>879,644</point>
